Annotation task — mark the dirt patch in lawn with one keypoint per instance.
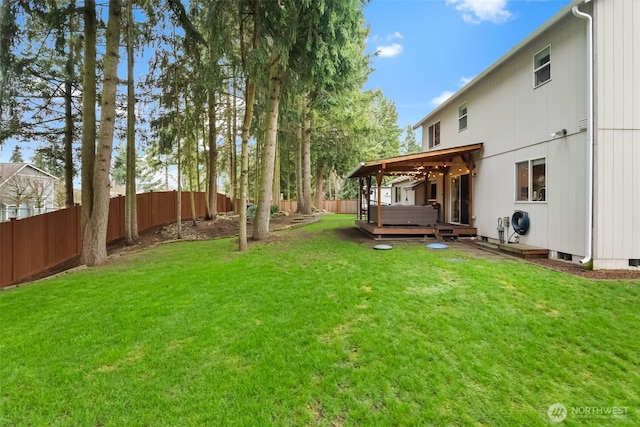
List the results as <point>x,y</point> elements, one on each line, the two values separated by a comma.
<point>578,270</point>
<point>223,226</point>
<point>354,235</point>
<point>563,266</point>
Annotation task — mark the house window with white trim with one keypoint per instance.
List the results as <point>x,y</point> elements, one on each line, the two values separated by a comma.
<point>542,67</point>
<point>531,181</point>
<point>434,135</point>
<point>462,117</point>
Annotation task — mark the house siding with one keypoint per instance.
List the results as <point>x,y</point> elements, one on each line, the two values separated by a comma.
<point>515,121</point>
<point>617,133</point>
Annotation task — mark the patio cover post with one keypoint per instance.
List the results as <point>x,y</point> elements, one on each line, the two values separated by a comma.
<point>368,198</point>
<point>360,184</point>
<point>379,176</point>
<point>444,193</point>
<point>468,161</point>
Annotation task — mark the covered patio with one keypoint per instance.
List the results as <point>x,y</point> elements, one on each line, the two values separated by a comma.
<point>442,205</point>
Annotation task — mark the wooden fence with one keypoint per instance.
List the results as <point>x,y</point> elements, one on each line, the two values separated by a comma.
<point>335,206</point>
<point>32,245</point>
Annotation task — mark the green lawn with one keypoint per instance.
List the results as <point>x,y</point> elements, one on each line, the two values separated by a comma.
<point>313,330</point>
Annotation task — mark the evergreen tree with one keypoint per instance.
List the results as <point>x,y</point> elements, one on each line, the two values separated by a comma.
<point>409,145</point>
<point>16,155</point>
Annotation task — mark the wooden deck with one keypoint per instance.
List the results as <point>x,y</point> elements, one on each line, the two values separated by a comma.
<point>524,251</point>
<point>440,231</point>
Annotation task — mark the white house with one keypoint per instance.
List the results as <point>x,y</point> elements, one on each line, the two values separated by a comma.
<point>407,191</point>
<point>551,129</point>
<point>25,191</point>
<point>385,195</point>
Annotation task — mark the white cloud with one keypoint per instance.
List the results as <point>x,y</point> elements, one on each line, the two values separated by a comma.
<point>476,11</point>
<point>388,38</point>
<point>464,80</point>
<point>389,51</point>
<point>448,93</point>
<point>441,98</point>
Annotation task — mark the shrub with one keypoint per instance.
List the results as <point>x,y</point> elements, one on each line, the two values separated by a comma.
<point>251,211</point>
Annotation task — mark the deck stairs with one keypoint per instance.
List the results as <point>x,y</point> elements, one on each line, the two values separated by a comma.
<point>444,232</point>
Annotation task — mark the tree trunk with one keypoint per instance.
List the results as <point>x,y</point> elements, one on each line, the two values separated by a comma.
<point>131,211</point>
<point>68,143</point>
<point>179,195</point>
<point>213,158</point>
<point>275,198</point>
<point>298,161</point>
<point>265,196</point>
<point>306,164</point>
<point>191,172</point>
<point>319,184</point>
<point>68,127</point>
<point>250,98</point>
<point>94,249</point>
<point>231,137</point>
<point>88,113</point>
<point>206,168</point>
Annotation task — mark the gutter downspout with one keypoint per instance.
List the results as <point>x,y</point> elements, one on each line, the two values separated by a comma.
<point>590,139</point>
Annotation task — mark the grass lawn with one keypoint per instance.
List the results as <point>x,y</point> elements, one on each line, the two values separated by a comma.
<point>314,330</point>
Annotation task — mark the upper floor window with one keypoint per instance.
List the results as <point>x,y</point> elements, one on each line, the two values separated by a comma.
<point>434,135</point>
<point>462,117</point>
<point>531,181</point>
<point>542,66</point>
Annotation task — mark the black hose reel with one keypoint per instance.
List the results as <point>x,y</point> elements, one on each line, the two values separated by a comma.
<point>520,222</point>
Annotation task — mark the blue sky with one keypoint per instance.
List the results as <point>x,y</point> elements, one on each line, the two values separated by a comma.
<point>428,49</point>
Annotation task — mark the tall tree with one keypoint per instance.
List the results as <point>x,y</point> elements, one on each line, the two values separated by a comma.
<point>409,144</point>
<point>131,210</point>
<point>88,125</point>
<point>43,65</point>
<point>16,155</point>
<point>94,239</point>
<point>316,44</point>
<point>8,34</point>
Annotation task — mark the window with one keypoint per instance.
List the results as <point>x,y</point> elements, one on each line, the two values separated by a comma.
<point>462,117</point>
<point>531,181</point>
<point>398,194</point>
<point>434,135</point>
<point>542,67</point>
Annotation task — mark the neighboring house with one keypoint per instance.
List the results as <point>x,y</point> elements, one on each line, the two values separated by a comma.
<point>551,129</point>
<point>385,195</point>
<point>25,191</point>
<point>408,191</point>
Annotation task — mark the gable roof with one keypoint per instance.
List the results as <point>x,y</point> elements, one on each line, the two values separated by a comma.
<point>9,170</point>
<point>412,162</point>
<point>544,27</point>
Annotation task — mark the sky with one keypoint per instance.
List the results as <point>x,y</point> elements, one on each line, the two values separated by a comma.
<point>428,49</point>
